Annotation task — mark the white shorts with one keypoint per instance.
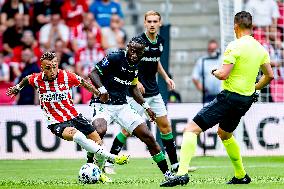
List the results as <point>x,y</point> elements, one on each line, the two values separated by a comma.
<point>123,115</point>
<point>156,103</point>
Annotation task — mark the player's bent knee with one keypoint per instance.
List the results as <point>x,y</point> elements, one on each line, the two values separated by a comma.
<point>223,134</point>
<point>100,125</point>
<point>127,134</point>
<point>68,133</point>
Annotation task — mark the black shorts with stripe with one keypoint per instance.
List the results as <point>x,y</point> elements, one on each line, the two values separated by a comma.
<point>226,109</point>
<point>79,122</point>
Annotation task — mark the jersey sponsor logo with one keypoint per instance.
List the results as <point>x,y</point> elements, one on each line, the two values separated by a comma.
<point>54,96</point>
<point>124,82</point>
<point>150,59</point>
<point>146,48</point>
<point>154,49</point>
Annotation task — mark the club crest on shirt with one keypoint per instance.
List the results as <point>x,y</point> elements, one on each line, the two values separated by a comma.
<point>62,87</point>
<point>161,48</point>
<point>105,62</point>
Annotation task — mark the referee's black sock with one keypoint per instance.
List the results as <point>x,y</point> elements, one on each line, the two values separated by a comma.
<point>170,147</point>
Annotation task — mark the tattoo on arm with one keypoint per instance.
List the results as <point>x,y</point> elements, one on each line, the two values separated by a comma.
<point>24,82</point>
<point>89,87</point>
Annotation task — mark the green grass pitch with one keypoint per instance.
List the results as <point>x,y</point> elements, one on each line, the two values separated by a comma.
<point>213,172</point>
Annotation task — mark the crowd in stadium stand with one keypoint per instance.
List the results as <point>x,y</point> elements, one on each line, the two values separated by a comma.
<point>268,20</point>
<point>81,32</point>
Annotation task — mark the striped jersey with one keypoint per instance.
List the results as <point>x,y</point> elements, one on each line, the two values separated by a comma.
<point>56,96</point>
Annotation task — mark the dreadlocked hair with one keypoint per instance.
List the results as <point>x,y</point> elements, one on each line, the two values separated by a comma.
<point>48,55</point>
<point>138,40</point>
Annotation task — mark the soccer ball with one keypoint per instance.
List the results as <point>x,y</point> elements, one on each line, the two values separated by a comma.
<point>89,173</point>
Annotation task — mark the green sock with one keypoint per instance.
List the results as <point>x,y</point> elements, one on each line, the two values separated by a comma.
<point>161,161</point>
<point>170,146</point>
<point>233,151</point>
<point>121,137</point>
<point>158,157</point>
<point>187,150</point>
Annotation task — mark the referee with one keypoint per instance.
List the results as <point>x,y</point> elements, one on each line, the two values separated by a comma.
<point>242,59</point>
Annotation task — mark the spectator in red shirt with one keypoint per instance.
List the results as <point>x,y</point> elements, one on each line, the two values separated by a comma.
<point>85,60</point>
<point>72,12</point>
<point>78,37</point>
<point>28,41</point>
<point>280,20</point>
<point>87,57</point>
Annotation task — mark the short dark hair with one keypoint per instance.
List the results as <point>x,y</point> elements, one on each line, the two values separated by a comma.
<point>244,20</point>
<point>138,40</point>
<point>48,55</point>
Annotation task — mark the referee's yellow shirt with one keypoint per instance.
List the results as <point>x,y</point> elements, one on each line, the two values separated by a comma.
<point>247,54</point>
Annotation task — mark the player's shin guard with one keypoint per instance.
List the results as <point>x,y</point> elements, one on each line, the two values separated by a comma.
<point>170,147</point>
<point>187,150</point>
<point>91,146</point>
<point>161,161</point>
<point>233,151</point>
<point>118,143</point>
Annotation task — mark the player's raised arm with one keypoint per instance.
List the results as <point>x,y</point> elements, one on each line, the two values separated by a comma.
<point>13,91</point>
<point>96,80</point>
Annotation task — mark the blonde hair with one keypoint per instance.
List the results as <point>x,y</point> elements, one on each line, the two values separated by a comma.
<point>152,13</point>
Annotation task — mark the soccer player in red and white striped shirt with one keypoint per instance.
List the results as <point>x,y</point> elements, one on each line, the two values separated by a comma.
<point>54,88</point>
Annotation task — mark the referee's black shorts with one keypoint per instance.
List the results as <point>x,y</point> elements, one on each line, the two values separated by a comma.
<point>79,122</point>
<point>226,109</point>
